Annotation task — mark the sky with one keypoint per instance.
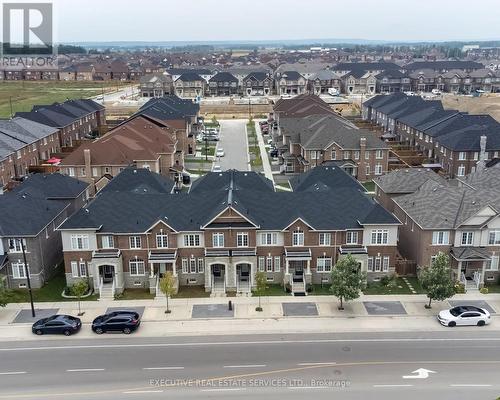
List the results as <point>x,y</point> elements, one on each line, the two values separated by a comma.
<point>213,20</point>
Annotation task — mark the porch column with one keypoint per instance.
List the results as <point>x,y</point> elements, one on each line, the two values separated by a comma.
<point>308,266</point>
<point>252,272</point>
<point>151,269</point>
<point>459,270</point>
<point>174,269</point>
<point>484,272</point>
<point>287,264</point>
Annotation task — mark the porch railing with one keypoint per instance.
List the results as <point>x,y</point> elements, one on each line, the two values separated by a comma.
<point>113,288</point>
<point>157,287</point>
<point>463,280</point>
<point>477,278</point>
<point>101,284</point>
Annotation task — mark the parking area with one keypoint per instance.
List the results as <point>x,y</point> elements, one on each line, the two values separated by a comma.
<point>384,308</point>
<point>299,309</point>
<point>476,303</point>
<point>234,142</point>
<point>24,315</point>
<point>212,311</point>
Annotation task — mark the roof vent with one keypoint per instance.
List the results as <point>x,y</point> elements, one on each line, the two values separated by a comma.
<point>87,210</point>
<point>135,171</point>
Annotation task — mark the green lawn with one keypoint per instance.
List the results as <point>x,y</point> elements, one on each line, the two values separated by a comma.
<point>187,292</point>
<point>321,290</point>
<point>50,292</point>
<point>135,294</point>
<point>399,287</point>
<point>273,290</point>
<point>26,94</point>
<point>493,288</point>
<point>370,186</point>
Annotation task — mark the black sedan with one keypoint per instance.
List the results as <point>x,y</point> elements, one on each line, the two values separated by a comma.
<point>65,324</point>
<point>117,321</point>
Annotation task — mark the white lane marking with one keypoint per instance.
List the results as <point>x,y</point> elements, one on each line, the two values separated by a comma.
<point>160,368</point>
<point>223,390</point>
<point>306,364</point>
<point>245,366</point>
<point>308,387</point>
<point>142,391</point>
<point>470,385</point>
<point>13,373</point>
<point>389,386</point>
<point>232,343</point>
<point>85,370</point>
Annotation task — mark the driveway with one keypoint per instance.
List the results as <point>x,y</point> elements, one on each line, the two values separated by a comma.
<point>233,140</point>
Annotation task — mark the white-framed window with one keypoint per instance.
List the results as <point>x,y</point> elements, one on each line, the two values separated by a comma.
<point>192,265</point>
<point>82,268</point>
<point>461,170</point>
<point>379,236</point>
<point>467,238</point>
<point>162,240</point>
<point>298,238</point>
<point>107,242</point>
<point>325,239</point>
<point>18,270</point>
<point>367,155</point>
<point>378,264</point>
<point>314,155</point>
<point>262,264</point>
<point>79,242</point>
<point>269,264</point>
<point>95,172</point>
<point>323,264</point>
<point>74,269</point>
<point>440,237</point>
<point>201,265</point>
<point>334,154</point>
<point>135,242</point>
<point>277,264</point>
<point>378,169</point>
<point>269,239</point>
<point>462,155</point>
<point>356,155</point>
<point>192,240</point>
<point>136,267</point>
<point>242,239</point>
<point>184,264</point>
<point>494,238</point>
<point>476,155</point>
<point>351,237</point>
<point>492,265</point>
<point>379,154</point>
<point>15,245</point>
<point>370,264</point>
<point>385,264</point>
<point>71,171</point>
<point>367,169</point>
<point>347,155</point>
<point>218,239</point>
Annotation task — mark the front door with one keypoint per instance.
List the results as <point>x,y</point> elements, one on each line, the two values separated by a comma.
<point>298,274</point>
<point>107,273</point>
<point>244,272</point>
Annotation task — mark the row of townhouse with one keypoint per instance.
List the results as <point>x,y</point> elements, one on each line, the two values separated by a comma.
<point>308,133</point>
<point>31,138</point>
<point>452,141</point>
<point>229,226</point>
<point>29,217</point>
<point>157,137</point>
<point>459,218</point>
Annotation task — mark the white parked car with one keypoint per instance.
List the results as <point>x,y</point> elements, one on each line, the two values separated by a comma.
<point>219,152</point>
<point>216,168</point>
<point>436,92</point>
<point>464,315</point>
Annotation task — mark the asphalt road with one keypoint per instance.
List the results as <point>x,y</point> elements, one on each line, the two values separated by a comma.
<point>345,366</point>
<point>234,142</point>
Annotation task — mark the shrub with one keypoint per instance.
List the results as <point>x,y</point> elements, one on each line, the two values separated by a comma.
<point>484,290</point>
<point>459,288</point>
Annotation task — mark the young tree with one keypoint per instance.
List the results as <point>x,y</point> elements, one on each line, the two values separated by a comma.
<point>167,287</point>
<point>260,286</point>
<point>347,280</point>
<point>436,279</point>
<point>4,296</point>
<point>78,289</point>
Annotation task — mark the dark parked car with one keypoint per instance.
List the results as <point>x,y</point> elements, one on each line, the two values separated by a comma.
<point>273,153</point>
<point>65,324</point>
<point>117,321</point>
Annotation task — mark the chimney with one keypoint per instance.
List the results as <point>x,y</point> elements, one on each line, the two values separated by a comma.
<point>482,153</point>
<point>362,160</point>
<point>87,161</point>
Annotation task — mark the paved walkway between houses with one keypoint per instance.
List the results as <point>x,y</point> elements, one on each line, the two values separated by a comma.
<point>281,314</point>
<point>234,141</point>
<point>264,155</point>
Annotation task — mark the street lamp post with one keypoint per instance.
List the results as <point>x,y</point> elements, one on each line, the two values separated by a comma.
<point>27,273</point>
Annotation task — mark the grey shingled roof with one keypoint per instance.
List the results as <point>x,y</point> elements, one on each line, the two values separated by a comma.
<point>51,186</point>
<point>139,180</point>
<point>407,180</point>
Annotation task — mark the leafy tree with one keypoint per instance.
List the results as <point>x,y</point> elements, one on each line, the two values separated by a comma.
<point>5,295</point>
<point>436,279</point>
<point>78,289</point>
<point>347,280</point>
<point>167,287</point>
<point>260,286</point>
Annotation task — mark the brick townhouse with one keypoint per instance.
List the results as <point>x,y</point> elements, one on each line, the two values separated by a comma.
<point>75,119</point>
<point>30,215</point>
<point>306,139</point>
<point>220,233</point>
<point>459,218</point>
<point>24,143</point>
<point>141,141</point>
<point>451,140</point>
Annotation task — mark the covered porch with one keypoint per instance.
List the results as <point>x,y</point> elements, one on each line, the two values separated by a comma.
<point>297,270</point>
<point>161,262</point>
<point>107,272</point>
<point>469,266</point>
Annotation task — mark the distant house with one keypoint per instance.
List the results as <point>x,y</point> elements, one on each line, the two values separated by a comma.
<point>68,73</point>
<point>155,85</point>
<point>30,216</point>
<point>257,84</point>
<point>84,72</point>
<point>290,82</point>
<point>223,84</point>
<point>190,85</point>
<point>321,81</point>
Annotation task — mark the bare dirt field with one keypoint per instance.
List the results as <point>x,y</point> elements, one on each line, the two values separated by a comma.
<point>486,104</point>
